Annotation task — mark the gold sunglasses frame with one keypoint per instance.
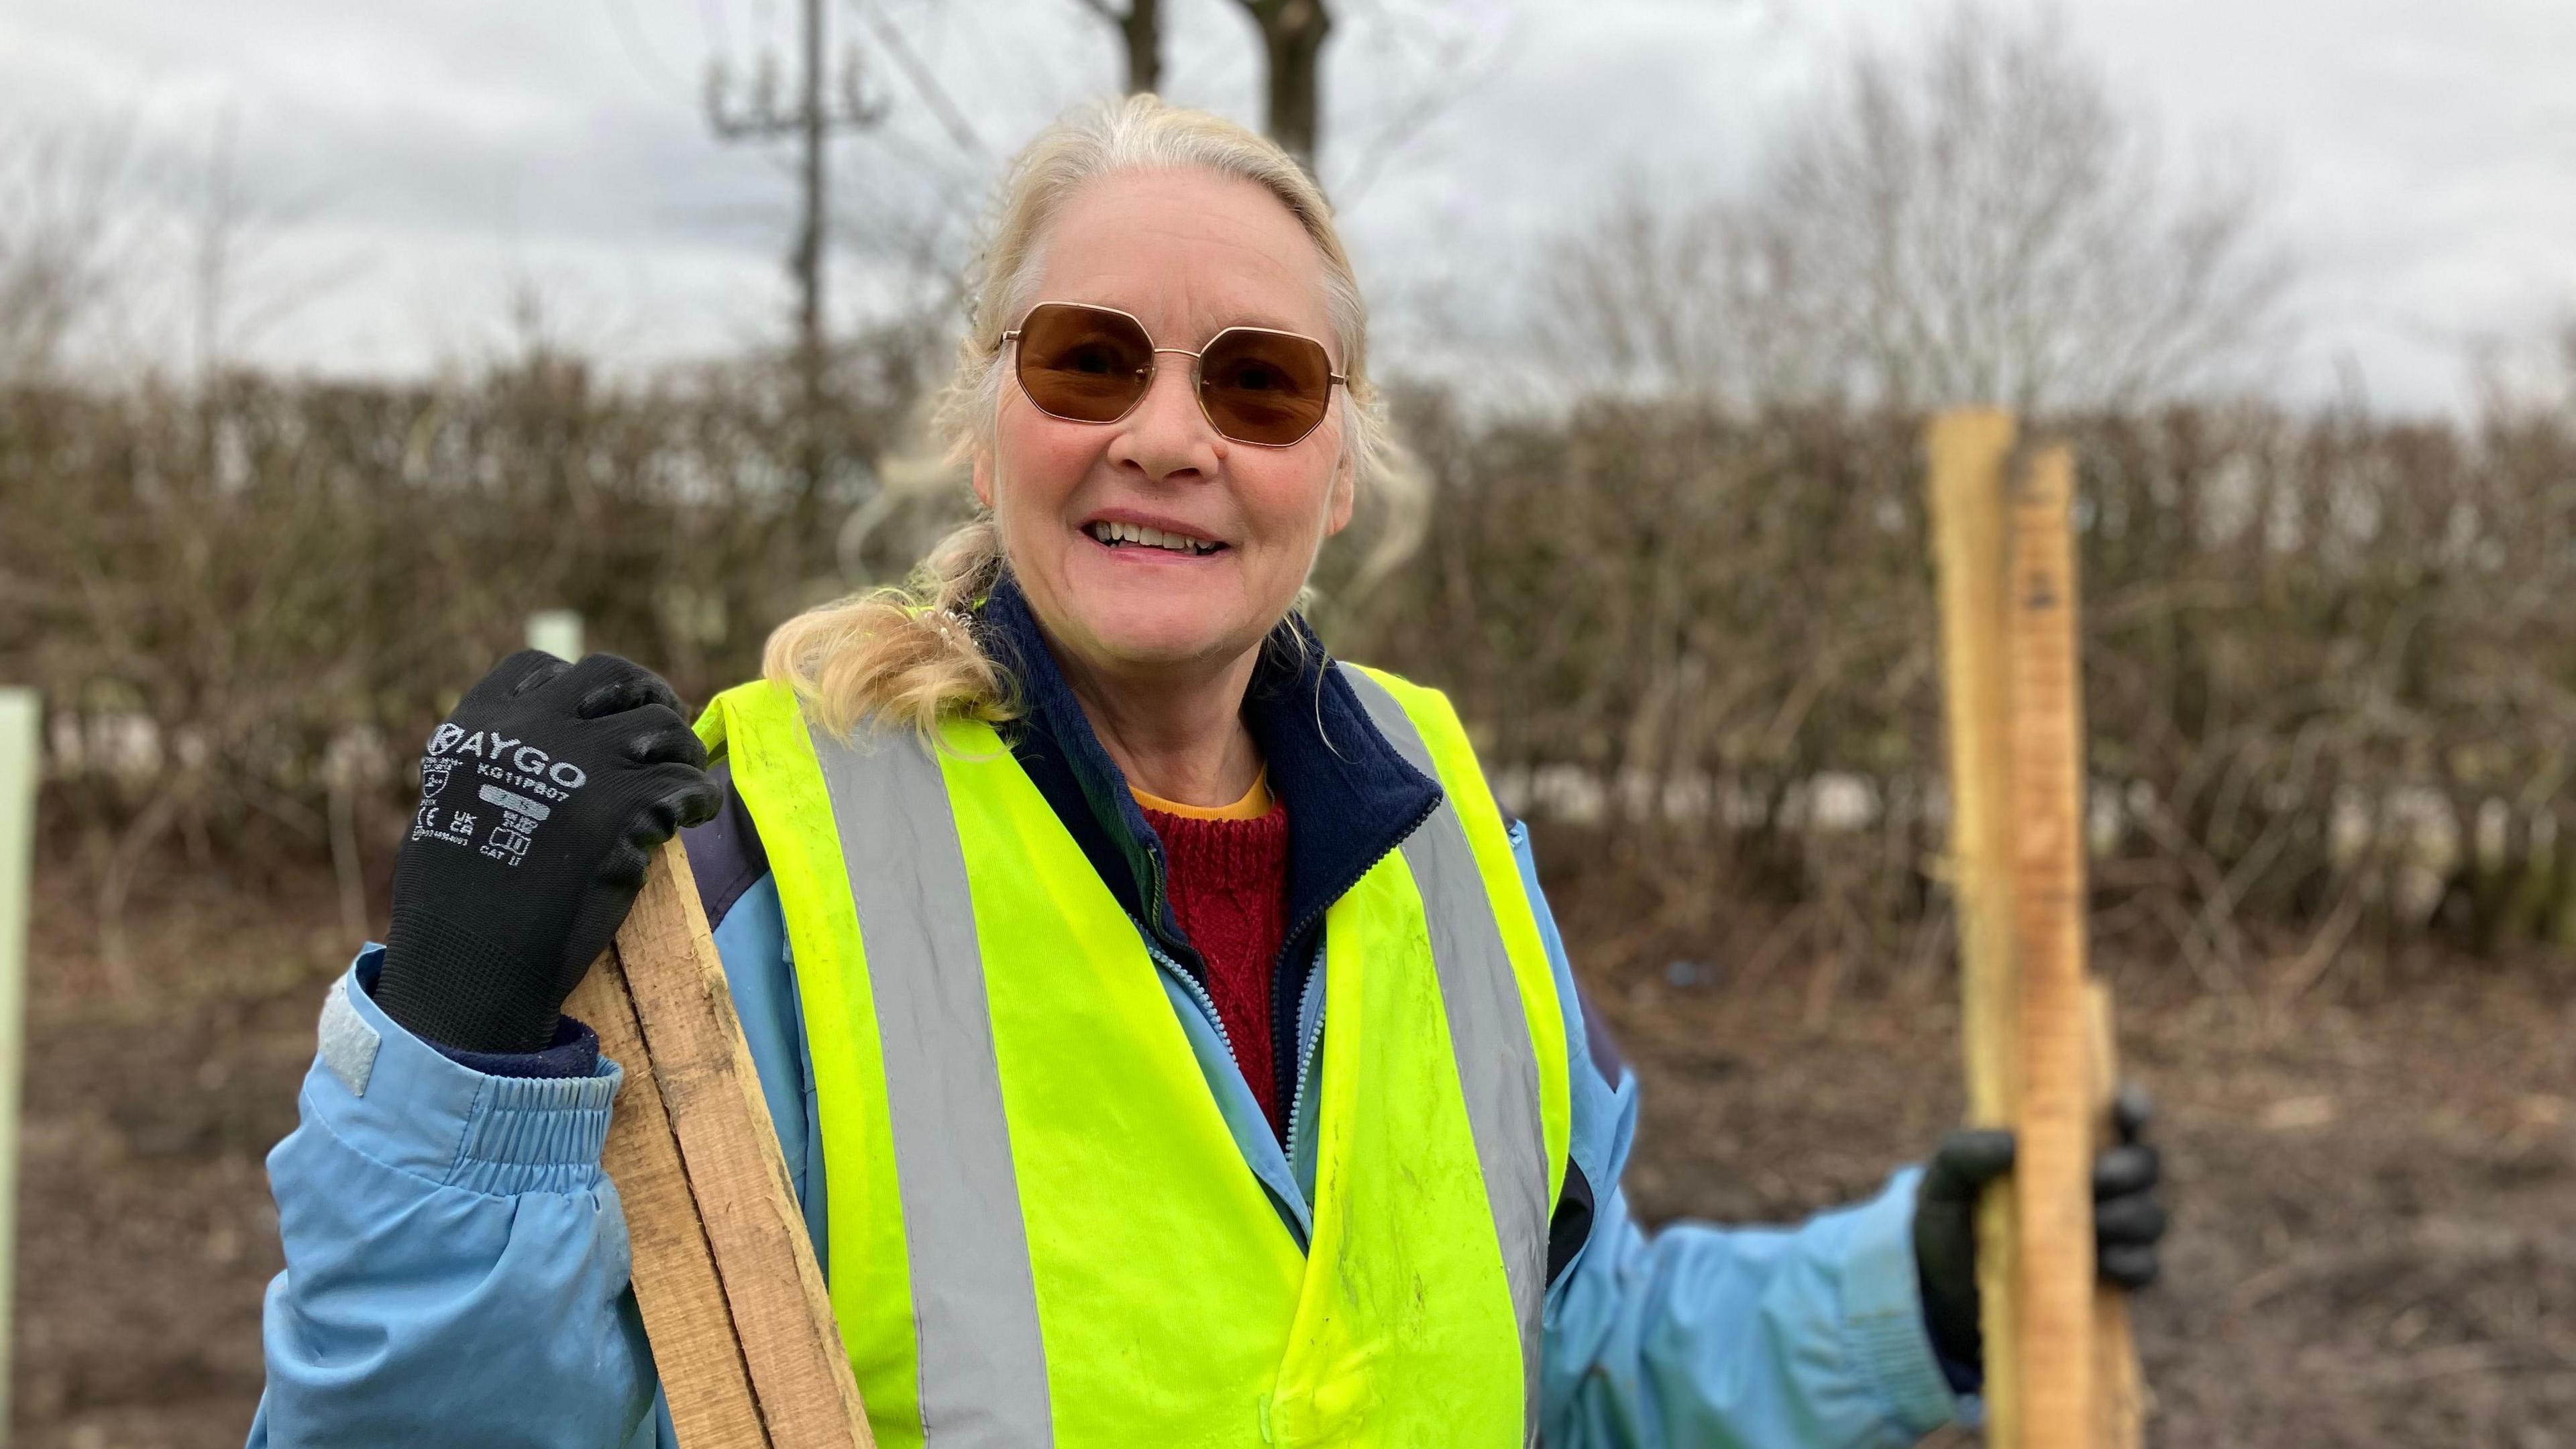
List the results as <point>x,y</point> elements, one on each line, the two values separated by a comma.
<point>1198,382</point>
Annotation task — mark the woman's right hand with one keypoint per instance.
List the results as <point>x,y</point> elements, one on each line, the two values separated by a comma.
<point>541,799</point>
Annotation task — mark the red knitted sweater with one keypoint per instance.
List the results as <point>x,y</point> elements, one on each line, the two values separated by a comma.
<point>1229,891</point>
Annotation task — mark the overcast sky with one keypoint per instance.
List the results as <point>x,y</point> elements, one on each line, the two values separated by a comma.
<point>413,168</point>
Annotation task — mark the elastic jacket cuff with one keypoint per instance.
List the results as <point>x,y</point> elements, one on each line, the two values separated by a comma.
<point>1883,1325</point>
<point>400,1101</point>
<point>574,1052</point>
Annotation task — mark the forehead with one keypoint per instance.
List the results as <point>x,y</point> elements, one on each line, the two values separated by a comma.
<point>1188,252</point>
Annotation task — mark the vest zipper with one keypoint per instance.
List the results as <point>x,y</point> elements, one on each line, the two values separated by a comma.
<point>1198,993</point>
<point>1297,1099</point>
<point>1207,1003</point>
<point>1283,1043</point>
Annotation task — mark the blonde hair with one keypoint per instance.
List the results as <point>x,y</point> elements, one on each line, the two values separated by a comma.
<point>905,655</point>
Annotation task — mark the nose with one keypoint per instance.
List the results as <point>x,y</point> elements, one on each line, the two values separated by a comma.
<point>1167,437</point>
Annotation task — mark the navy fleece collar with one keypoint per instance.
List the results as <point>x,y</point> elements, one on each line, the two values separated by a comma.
<point>1351,798</point>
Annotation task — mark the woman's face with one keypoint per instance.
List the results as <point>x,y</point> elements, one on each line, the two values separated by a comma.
<point>1188,253</point>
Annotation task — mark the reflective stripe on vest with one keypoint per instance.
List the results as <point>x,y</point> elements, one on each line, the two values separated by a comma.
<point>1496,1062</point>
<point>982,1368</point>
<point>1084,1257</point>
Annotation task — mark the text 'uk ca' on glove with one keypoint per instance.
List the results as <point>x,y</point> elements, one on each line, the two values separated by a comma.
<point>541,799</point>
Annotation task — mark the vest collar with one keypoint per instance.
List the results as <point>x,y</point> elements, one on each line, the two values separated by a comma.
<point>1351,797</point>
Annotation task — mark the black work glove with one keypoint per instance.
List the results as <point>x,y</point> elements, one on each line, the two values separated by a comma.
<point>2127,1220</point>
<point>540,799</point>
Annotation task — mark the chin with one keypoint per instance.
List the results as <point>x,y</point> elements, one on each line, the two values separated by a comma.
<point>1181,644</point>
<point>1176,631</point>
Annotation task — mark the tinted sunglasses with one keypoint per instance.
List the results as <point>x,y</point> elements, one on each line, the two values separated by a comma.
<point>1093,364</point>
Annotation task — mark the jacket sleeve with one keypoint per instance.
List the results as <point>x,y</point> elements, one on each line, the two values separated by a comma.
<point>1806,1337</point>
<point>456,1262</point>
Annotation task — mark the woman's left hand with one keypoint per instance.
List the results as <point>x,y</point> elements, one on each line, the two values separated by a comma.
<point>2128,1221</point>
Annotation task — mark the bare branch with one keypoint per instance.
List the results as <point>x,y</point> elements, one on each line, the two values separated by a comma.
<point>926,85</point>
<point>1983,223</point>
<point>63,238</point>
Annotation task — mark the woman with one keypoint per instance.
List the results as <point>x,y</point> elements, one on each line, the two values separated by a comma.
<point>1164,1027</point>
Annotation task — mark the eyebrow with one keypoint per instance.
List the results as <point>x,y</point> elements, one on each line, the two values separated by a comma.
<point>1267,322</point>
<point>1271,324</point>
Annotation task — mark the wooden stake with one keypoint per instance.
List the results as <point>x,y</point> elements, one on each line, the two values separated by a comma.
<point>2061,1369</point>
<point>732,1298</point>
<point>1967,454</point>
<point>2052,1168</point>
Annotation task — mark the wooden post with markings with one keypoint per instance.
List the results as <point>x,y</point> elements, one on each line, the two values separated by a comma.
<point>732,1297</point>
<point>2060,1367</point>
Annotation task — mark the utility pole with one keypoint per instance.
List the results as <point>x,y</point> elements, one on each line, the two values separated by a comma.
<point>759,116</point>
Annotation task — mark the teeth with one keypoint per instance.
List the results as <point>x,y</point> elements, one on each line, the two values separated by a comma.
<point>1141,536</point>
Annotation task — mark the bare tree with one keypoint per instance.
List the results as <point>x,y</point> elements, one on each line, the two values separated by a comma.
<point>1292,44</point>
<point>1985,224</point>
<point>2529,379</point>
<point>1419,62</point>
<point>1655,299</point>
<point>62,238</point>
<point>1292,34</point>
<point>1975,221</point>
<point>1140,28</point>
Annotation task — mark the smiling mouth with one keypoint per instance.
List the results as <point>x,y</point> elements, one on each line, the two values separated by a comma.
<point>1136,535</point>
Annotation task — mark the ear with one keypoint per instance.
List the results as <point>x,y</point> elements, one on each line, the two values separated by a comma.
<point>983,478</point>
<point>1345,495</point>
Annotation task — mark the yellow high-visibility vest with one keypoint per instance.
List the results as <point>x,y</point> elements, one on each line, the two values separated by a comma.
<point>1039,1228</point>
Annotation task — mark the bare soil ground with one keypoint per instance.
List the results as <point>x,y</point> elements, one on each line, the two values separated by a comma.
<point>2375,1190</point>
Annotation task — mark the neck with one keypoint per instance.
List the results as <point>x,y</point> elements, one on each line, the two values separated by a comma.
<point>1178,734</point>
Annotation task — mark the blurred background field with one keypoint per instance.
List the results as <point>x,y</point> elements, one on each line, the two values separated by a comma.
<point>1662,540</point>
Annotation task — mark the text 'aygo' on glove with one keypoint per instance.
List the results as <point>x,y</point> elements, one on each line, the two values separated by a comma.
<point>541,798</point>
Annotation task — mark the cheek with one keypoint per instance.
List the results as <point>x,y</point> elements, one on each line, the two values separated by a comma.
<point>1288,495</point>
<point>1041,460</point>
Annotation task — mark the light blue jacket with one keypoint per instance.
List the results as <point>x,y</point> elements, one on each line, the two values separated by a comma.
<point>456,1262</point>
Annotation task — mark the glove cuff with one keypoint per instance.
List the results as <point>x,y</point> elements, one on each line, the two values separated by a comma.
<point>448,984</point>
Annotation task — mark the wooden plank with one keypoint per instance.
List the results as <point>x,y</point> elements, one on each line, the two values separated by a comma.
<point>770,1302</point>
<point>1967,451</point>
<point>704,1379</point>
<point>2061,1365</point>
<point>2054,1114</point>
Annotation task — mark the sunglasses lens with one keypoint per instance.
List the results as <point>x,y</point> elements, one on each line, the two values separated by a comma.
<point>1265,387</point>
<point>1083,363</point>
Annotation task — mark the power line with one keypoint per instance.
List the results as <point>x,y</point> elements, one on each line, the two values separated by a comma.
<point>924,84</point>
<point>639,48</point>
